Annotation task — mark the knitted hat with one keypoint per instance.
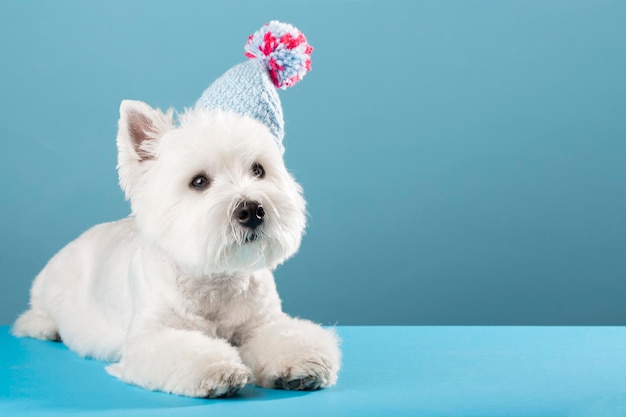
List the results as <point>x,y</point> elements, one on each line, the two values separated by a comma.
<point>279,57</point>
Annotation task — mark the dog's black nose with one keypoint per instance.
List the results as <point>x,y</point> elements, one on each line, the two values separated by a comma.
<point>249,214</point>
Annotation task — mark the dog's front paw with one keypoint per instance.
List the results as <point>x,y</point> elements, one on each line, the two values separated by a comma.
<point>223,379</point>
<point>216,380</point>
<point>293,354</point>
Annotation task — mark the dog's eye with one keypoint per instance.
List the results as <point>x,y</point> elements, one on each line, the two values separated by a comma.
<point>257,170</point>
<point>200,182</point>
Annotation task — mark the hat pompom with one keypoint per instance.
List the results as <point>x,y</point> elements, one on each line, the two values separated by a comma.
<point>284,51</point>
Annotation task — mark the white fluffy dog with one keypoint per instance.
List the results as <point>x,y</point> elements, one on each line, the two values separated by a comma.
<point>180,295</point>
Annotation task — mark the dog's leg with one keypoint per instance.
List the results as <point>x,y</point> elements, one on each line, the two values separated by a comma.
<point>36,323</point>
<point>181,362</point>
<point>292,354</point>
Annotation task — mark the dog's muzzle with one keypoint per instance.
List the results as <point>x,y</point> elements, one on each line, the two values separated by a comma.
<point>249,214</point>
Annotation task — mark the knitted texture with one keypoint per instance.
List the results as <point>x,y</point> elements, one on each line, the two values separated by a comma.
<point>247,89</point>
<point>279,57</point>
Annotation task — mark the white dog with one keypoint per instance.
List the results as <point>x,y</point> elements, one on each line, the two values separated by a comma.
<point>181,294</point>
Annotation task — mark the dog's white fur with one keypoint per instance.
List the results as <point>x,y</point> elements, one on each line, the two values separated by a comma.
<point>176,294</point>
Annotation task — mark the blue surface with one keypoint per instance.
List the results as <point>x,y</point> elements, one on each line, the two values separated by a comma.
<point>464,162</point>
<point>387,371</point>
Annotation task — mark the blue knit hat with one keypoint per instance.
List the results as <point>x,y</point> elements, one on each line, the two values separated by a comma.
<point>279,57</point>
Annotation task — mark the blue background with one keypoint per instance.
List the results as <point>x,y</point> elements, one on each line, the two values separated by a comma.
<point>463,163</point>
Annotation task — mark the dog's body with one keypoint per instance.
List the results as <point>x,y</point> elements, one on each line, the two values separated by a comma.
<point>181,295</point>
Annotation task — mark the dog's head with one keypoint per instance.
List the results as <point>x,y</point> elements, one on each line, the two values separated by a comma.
<point>211,191</point>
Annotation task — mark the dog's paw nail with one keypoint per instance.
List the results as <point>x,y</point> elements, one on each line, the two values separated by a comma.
<point>312,383</point>
<point>307,383</point>
<point>294,384</point>
<point>230,392</point>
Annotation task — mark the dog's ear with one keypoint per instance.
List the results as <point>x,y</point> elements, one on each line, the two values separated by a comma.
<point>139,130</point>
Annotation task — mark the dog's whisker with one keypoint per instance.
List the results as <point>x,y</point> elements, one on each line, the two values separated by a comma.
<point>268,201</point>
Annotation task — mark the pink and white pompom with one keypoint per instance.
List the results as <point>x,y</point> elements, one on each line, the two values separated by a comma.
<point>284,51</point>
